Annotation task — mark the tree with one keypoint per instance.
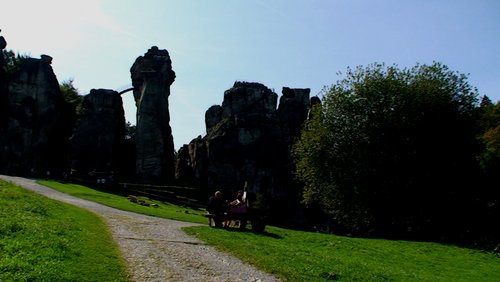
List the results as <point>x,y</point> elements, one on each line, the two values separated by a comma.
<point>490,134</point>
<point>391,150</point>
<point>73,104</point>
<point>489,160</point>
<point>12,62</point>
<point>130,131</point>
<point>71,95</point>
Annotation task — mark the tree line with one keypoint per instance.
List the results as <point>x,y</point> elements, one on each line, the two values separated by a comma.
<point>403,152</point>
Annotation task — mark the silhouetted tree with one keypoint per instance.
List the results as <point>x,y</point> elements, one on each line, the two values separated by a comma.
<point>130,131</point>
<point>72,106</point>
<point>488,198</point>
<point>392,150</point>
<point>126,160</point>
<point>490,134</point>
<point>71,95</point>
<point>12,61</point>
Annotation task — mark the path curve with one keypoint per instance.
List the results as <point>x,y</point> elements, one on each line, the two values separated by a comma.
<point>156,249</point>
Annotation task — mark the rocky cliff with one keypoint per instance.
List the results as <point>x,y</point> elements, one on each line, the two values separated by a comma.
<point>95,147</point>
<point>30,133</point>
<point>249,141</point>
<point>152,76</point>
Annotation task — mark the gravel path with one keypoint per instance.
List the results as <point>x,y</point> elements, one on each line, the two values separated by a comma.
<point>156,249</point>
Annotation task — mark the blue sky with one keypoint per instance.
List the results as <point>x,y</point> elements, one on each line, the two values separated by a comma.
<point>213,43</point>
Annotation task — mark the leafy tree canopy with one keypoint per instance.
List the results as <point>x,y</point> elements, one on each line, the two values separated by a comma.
<point>130,131</point>
<point>390,149</point>
<point>489,136</point>
<point>71,95</point>
<point>12,61</point>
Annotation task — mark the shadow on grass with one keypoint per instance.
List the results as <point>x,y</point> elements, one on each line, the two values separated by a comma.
<point>263,233</point>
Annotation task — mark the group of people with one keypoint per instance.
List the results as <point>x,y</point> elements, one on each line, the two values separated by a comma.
<point>221,208</point>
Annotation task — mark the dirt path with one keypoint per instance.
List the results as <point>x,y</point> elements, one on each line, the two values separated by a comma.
<point>156,249</point>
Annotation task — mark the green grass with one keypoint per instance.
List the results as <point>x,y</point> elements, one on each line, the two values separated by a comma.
<point>307,256</point>
<point>46,240</point>
<point>163,210</point>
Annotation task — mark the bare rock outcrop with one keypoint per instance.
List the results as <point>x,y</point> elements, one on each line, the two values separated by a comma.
<point>244,141</point>
<point>293,111</point>
<point>249,141</point>
<point>97,141</point>
<point>152,76</point>
<point>31,138</point>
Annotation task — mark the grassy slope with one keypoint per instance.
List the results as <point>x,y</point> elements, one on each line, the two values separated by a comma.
<point>46,240</point>
<point>307,256</point>
<point>164,210</point>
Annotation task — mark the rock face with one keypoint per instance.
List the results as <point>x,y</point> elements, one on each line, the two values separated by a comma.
<point>248,141</point>
<point>244,141</point>
<point>293,110</point>
<point>95,147</point>
<point>152,76</point>
<point>30,133</point>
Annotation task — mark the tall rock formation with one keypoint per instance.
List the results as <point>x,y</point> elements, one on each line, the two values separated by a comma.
<point>249,141</point>
<point>30,135</point>
<point>97,141</point>
<point>293,111</point>
<point>244,140</point>
<point>152,76</point>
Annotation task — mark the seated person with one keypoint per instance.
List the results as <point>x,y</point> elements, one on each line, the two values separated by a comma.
<point>217,207</point>
<point>238,205</point>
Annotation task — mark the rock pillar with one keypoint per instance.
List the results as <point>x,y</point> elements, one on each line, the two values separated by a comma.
<point>32,121</point>
<point>152,76</point>
<point>96,144</point>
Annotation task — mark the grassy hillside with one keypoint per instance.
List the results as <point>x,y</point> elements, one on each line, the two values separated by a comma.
<point>306,256</point>
<point>46,240</point>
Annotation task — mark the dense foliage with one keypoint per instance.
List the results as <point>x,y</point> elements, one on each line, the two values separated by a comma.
<point>394,151</point>
<point>12,61</point>
<point>71,96</point>
<point>490,135</point>
<point>72,106</point>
